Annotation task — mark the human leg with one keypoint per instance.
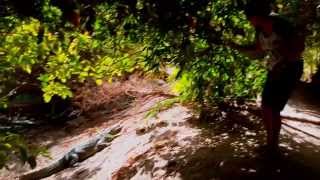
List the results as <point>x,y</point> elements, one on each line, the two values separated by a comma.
<point>276,127</point>
<point>270,114</point>
<point>277,90</point>
<point>272,122</point>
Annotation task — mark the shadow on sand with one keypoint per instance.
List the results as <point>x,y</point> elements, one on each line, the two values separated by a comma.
<point>229,147</point>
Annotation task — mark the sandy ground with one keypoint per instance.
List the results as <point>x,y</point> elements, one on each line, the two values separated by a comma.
<point>175,145</point>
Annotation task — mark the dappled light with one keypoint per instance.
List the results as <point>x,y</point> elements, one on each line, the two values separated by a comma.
<point>235,154</point>
<point>159,89</point>
<point>227,144</point>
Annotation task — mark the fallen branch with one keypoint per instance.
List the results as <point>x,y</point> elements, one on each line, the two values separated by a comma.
<point>20,123</point>
<point>310,112</point>
<point>299,130</point>
<point>257,112</point>
<point>302,120</point>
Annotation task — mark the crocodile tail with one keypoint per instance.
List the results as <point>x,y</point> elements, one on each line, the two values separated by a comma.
<point>46,171</point>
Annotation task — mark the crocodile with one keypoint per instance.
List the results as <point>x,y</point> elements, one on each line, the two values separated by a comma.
<point>75,155</point>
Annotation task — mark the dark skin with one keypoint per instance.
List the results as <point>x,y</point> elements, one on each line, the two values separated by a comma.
<point>290,49</point>
<point>249,50</point>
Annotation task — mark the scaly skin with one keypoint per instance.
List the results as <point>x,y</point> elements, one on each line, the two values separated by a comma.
<point>75,155</point>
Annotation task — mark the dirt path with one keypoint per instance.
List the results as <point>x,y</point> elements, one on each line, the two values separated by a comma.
<point>174,145</point>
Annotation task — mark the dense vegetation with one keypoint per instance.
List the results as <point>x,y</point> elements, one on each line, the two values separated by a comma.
<point>53,46</point>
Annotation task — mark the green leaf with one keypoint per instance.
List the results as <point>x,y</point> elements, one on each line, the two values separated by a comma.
<point>27,68</point>
<point>99,82</point>
<point>47,97</point>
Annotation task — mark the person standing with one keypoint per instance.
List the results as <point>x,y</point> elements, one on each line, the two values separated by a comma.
<point>280,43</point>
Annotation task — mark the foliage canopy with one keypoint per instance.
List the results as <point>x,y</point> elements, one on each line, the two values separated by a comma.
<point>52,45</point>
